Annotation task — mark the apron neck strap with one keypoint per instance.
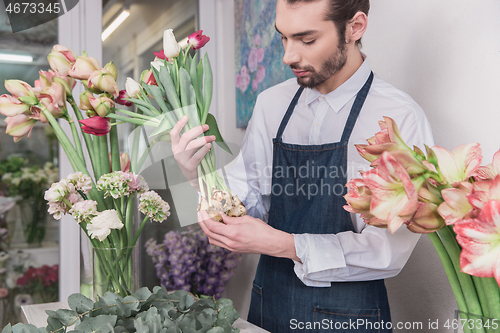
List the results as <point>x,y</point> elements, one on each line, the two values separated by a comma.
<point>288,113</point>
<point>356,108</point>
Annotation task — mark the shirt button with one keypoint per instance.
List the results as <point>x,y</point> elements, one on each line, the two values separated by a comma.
<point>322,98</point>
<point>316,123</point>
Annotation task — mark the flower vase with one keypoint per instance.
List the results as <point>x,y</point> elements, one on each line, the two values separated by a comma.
<point>116,270</point>
<point>34,220</point>
<point>468,322</point>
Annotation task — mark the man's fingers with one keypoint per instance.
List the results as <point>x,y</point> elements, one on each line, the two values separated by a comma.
<point>190,135</point>
<point>197,143</point>
<point>176,130</point>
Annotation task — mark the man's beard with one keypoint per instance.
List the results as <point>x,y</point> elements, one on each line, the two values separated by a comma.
<point>331,66</point>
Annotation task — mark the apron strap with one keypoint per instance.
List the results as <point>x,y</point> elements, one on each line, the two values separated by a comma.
<point>356,108</point>
<point>288,113</point>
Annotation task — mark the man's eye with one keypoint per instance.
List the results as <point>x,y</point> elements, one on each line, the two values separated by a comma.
<point>309,42</point>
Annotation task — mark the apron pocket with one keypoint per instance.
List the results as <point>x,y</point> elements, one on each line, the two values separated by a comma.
<point>347,320</point>
<point>255,312</point>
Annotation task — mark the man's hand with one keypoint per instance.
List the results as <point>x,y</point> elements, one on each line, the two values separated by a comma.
<point>247,234</point>
<point>189,150</point>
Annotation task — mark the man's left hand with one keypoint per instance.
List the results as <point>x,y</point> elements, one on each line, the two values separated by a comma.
<point>247,234</point>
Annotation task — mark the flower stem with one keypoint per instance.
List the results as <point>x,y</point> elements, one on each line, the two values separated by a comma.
<point>115,148</point>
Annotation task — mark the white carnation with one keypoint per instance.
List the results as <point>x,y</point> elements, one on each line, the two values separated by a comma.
<point>101,225</point>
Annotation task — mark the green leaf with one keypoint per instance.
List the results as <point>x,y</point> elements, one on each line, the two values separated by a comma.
<point>53,324</point>
<point>216,330</point>
<point>157,95</point>
<point>188,96</point>
<point>24,328</point>
<point>7,328</point>
<point>214,130</point>
<point>80,303</point>
<point>431,157</point>
<point>188,62</point>
<point>196,86</point>
<point>208,84</point>
<point>66,317</point>
<point>142,294</point>
<point>165,125</point>
<point>43,330</point>
<point>99,324</point>
<point>170,88</point>
<point>229,313</point>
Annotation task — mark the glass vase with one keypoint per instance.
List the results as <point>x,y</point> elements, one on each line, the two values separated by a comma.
<point>116,270</point>
<point>468,322</point>
<point>34,220</point>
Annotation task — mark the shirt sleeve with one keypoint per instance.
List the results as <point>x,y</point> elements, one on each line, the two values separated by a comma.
<point>370,253</point>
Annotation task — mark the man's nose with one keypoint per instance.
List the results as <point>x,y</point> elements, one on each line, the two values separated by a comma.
<point>291,55</point>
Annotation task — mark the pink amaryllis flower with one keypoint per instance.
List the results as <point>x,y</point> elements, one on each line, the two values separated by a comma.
<point>456,206</point>
<point>358,197</point>
<point>479,239</point>
<point>103,80</point>
<point>388,139</point>
<point>61,59</point>
<point>489,171</point>
<point>96,125</point>
<point>484,191</point>
<point>197,40</point>
<point>83,67</point>
<point>394,193</point>
<point>426,219</point>
<point>18,126</point>
<point>459,164</point>
<point>10,106</point>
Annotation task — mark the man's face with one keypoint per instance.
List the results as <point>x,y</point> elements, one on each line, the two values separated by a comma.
<point>312,46</point>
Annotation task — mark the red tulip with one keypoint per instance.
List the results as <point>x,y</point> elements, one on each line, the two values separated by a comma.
<point>96,125</point>
<point>197,40</point>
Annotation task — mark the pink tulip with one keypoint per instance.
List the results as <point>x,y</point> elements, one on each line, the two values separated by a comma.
<point>121,99</point>
<point>459,164</point>
<point>102,105</point>
<point>388,139</point>
<point>124,162</point>
<point>456,206</point>
<point>83,67</point>
<point>489,171</point>
<point>426,219</point>
<point>197,40</point>
<point>11,106</point>
<point>479,239</point>
<point>103,80</point>
<point>61,59</point>
<point>96,125</point>
<point>149,78</point>
<point>18,126</point>
<point>394,194</point>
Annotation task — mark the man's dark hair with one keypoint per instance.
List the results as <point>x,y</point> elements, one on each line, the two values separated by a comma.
<point>341,12</point>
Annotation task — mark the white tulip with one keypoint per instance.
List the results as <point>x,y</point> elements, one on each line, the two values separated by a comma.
<point>132,87</point>
<point>170,46</point>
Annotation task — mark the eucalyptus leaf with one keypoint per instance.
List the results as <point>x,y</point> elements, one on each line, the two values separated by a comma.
<point>216,330</point>
<point>214,130</point>
<point>222,303</point>
<point>43,330</point>
<point>101,324</point>
<point>24,328</point>
<point>80,303</point>
<point>7,328</point>
<point>66,317</point>
<point>228,313</point>
<point>142,294</point>
<point>53,324</point>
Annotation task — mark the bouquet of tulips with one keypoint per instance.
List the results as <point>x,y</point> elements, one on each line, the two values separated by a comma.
<point>180,86</point>
<point>100,196</point>
<point>445,194</point>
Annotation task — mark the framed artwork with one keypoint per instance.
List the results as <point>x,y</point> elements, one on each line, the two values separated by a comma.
<point>258,56</point>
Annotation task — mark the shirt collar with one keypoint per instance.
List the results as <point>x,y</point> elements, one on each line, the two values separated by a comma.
<point>343,94</point>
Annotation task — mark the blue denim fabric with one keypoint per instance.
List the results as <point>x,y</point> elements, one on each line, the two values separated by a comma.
<point>307,197</point>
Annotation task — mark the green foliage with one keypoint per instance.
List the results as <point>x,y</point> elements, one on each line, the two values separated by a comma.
<point>144,312</point>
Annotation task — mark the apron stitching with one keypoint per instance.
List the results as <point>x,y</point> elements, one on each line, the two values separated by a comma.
<point>277,143</point>
<point>347,314</point>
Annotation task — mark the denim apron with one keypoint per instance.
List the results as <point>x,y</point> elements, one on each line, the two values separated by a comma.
<point>308,186</point>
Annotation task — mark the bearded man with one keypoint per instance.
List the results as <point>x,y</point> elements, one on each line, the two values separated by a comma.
<point>321,269</point>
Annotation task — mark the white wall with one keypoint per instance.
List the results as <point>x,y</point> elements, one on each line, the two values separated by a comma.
<point>445,54</point>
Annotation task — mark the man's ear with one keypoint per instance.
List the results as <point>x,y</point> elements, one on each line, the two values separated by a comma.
<point>356,27</point>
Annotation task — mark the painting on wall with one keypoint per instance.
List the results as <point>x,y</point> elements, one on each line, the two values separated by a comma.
<point>259,54</point>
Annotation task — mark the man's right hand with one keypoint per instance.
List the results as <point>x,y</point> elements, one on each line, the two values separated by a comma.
<point>189,150</point>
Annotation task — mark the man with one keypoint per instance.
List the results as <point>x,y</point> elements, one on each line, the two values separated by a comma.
<point>320,268</point>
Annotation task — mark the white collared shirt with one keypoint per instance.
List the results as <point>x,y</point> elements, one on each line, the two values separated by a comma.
<point>370,253</point>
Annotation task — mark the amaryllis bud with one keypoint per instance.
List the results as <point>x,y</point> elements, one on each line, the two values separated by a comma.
<point>20,88</point>
<point>197,40</point>
<point>61,59</point>
<point>85,101</point>
<point>110,66</point>
<point>84,67</point>
<point>18,126</point>
<point>103,80</point>
<point>96,125</point>
<point>170,47</point>
<point>121,99</point>
<point>67,86</point>
<point>102,105</point>
<point>46,78</point>
<point>91,113</point>
<point>11,106</point>
<point>133,88</point>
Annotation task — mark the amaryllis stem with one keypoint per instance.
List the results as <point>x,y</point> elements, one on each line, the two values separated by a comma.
<point>76,139</point>
<point>114,147</point>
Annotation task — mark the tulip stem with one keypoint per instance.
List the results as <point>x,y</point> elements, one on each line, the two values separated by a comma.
<point>86,137</point>
<point>115,147</point>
